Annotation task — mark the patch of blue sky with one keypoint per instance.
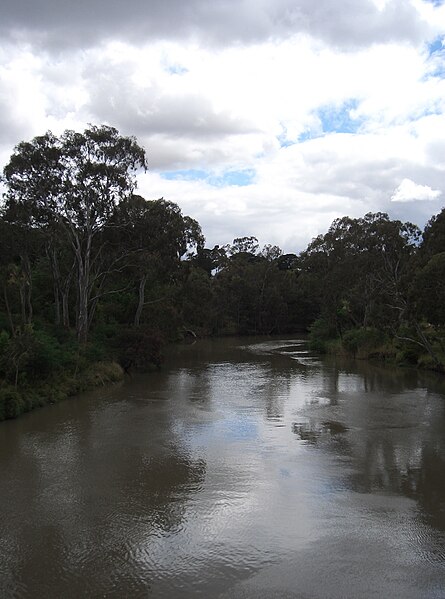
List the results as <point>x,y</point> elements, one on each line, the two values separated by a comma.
<point>176,69</point>
<point>308,134</point>
<point>436,3</point>
<point>436,46</point>
<point>338,119</point>
<point>284,142</point>
<point>436,52</point>
<point>237,178</point>
<point>283,138</point>
<point>334,119</point>
<point>185,175</point>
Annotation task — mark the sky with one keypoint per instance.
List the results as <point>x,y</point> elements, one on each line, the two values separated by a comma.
<point>268,118</point>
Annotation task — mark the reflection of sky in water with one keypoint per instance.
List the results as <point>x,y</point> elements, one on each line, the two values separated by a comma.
<point>232,429</point>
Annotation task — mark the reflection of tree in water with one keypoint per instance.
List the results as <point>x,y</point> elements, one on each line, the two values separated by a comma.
<point>405,455</point>
<point>275,388</point>
<point>275,394</point>
<point>375,377</point>
<point>396,436</point>
<point>193,384</point>
<point>426,484</point>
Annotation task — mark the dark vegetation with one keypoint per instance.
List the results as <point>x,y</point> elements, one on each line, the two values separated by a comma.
<point>94,278</point>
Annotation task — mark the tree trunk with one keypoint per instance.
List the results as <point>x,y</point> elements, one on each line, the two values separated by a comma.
<point>8,311</point>
<point>56,304</point>
<point>82,307</point>
<point>27,288</point>
<point>83,286</point>
<point>22,302</point>
<point>51,253</point>
<point>65,309</point>
<point>137,316</point>
<point>427,345</point>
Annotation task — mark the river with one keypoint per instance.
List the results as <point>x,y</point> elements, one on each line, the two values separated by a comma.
<point>246,468</point>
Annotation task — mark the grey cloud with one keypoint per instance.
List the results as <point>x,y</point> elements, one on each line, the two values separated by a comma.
<point>188,116</point>
<point>114,97</point>
<point>345,23</point>
<point>353,24</point>
<point>416,212</point>
<point>436,152</point>
<point>173,153</point>
<point>178,131</point>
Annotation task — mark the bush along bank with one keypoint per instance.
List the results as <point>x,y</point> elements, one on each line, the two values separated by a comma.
<point>408,347</point>
<point>38,367</point>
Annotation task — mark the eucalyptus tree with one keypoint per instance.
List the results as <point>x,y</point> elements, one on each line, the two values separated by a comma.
<point>72,184</point>
<point>359,271</point>
<point>155,236</point>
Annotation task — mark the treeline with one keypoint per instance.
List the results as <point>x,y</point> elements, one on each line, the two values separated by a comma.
<point>94,278</point>
<point>379,285</point>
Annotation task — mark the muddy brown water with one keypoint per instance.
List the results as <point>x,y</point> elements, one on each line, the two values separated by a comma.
<point>246,468</point>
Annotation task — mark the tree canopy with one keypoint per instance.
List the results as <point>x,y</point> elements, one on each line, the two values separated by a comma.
<point>73,183</point>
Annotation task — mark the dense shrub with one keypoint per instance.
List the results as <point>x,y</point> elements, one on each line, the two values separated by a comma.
<point>11,403</point>
<point>138,348</point>
<point>320,332</point>
<point>362,340</point>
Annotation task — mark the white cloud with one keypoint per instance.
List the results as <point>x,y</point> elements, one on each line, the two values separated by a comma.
<point>408,191</point>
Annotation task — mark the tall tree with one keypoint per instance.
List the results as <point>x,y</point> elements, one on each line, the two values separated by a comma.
<point>74,181</point>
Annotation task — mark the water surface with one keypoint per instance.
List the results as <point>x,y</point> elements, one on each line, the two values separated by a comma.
<point>244,469</point>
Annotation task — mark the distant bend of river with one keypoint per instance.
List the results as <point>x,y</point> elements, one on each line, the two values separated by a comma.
<point>246,468</point>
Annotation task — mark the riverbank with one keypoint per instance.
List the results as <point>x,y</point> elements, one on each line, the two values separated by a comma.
<point>17,400</point>
<point>41,366</point>
<point>373,345</point>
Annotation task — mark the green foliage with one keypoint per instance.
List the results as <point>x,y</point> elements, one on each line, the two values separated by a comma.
<point>409,355</point>
<point>32,356</point>
<point>320,332</point>
<point>70,185</point>
<point>101,373</point>
<point>11,403</point>
<point>428,290</point>
<point>4,340</point>
<point>198,302</point>
<point>362,341</point>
